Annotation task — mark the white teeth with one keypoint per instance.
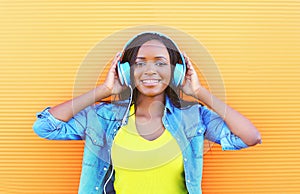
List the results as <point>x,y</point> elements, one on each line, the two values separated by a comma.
<point>148,81</point>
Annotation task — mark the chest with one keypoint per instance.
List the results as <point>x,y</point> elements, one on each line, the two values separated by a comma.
<point>149,128</point>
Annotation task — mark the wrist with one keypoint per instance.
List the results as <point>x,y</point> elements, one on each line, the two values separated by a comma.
<point>197,93</point>
<point>203,95</point>
<point>103,91</point>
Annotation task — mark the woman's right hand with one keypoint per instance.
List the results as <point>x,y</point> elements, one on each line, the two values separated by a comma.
<point>112,82</point>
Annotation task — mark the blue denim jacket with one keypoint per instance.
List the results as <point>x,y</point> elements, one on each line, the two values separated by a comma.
<point>98,125</point>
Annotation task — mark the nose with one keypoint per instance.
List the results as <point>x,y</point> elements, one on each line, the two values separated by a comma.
<point>150,69</point>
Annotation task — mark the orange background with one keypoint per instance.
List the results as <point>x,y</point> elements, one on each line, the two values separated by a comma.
<point>255,45</point>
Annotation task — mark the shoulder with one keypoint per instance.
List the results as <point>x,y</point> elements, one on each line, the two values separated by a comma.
<point>195,111</point>
<point>110,104</point>
<point>187,106</point>
<point>110,108</point>
<point>195,105</point>
<point>188,110</point>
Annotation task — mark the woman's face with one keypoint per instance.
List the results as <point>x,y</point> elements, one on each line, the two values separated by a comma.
<point>152,69</point>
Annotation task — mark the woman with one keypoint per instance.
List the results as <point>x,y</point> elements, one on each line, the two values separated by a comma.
<point>157,146</point>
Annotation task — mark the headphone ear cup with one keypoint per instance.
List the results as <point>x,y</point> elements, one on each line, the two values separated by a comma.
<point>183,73</point>
<point>124,73</point>
<point>120,75</point>
<point>179,73</point>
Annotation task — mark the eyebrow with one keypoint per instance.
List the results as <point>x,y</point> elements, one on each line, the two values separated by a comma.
<point>157,57</point>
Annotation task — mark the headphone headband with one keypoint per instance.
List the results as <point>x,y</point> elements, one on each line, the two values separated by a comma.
<point>153,33</point>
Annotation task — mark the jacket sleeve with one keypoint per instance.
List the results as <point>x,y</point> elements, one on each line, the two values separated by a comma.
<point>48,127</point>
<point>217,131</point>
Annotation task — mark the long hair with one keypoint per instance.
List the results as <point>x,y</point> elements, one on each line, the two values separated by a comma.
<point>130,54</point>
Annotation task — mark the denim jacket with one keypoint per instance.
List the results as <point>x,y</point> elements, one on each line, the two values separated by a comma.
<point>99,124</point>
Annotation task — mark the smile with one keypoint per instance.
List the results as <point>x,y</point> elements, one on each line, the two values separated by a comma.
<point>150,82</point>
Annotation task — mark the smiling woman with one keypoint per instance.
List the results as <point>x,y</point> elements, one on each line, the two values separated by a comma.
<point>151,79</point>
<point>157,146</point>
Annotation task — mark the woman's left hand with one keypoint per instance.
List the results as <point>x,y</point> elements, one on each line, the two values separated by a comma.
<point>191,82</point>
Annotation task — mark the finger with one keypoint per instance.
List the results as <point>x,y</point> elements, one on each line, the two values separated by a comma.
<point>188,77</point>
<point>189,74</point>
<point>191,67</point>
<point>187,61</point>
<point>115,61</point>
<point>117,57</point>
<point>185,57</point>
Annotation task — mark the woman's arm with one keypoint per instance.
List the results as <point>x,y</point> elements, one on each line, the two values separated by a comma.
<point>237,123</point>
<point>66,110</point>
<point>68,120</point>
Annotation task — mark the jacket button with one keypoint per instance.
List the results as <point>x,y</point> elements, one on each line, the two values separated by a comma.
<point>95,141</point>
<point>97,188</point>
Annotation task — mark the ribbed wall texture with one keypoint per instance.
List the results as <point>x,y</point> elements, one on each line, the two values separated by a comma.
<point>255,45</point>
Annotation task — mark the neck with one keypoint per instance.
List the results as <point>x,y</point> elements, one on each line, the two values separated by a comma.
<point>150,106</point>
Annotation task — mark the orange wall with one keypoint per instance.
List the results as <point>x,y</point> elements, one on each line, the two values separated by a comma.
<point>255,45</point>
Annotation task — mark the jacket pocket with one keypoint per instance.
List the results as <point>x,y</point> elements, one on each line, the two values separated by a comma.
<point>95,142</point>
<point>95,137</point>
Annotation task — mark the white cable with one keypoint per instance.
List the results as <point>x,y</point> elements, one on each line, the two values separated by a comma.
<point>112,171</point>
<point>123,123</point>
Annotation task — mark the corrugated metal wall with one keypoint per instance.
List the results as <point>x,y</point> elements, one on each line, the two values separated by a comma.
<point>255,45</point>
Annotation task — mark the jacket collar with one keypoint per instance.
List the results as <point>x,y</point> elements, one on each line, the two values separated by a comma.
<point>123,105</point>
<point>169,105</point>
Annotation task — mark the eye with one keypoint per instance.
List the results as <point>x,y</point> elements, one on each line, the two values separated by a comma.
<point>160,63</point>
<point>140,63</point>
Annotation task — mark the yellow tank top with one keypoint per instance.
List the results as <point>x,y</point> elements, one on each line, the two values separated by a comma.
<point>146,167</point>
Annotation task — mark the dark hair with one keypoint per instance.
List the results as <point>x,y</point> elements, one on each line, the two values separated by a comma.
<point>130,54</point>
